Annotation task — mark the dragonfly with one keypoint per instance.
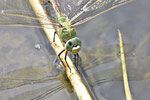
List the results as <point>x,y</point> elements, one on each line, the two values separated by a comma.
<point>97,78</point>
<point>65,16</point>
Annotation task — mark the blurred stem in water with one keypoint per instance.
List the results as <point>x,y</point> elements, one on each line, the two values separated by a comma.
<point>124,71</point>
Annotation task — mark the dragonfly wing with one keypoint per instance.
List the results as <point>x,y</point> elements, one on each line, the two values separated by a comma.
<point>27,76</point>
<point>40,93</point>
<point>20,61</point>
<point>102,66</point>
<point>94,8</point>
<point>114,73</point>
<point>71,7</point>
<point>20,12</point>
<point>103,54</point>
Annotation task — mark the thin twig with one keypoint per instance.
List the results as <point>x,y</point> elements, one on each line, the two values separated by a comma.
<point>124,70</point>
<point>73,76</point>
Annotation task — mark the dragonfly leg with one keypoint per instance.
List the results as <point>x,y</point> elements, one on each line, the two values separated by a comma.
<point>66,61</point>
<point>54,36</point>
<point>60,58</point>
<point>76,60</point>
<point>65,58</point>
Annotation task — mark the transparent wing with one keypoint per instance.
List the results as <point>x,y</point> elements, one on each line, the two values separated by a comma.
<point>135,72</point>
<point>109,77</point>
<point>103,54</point>
<point>48,85</point>
<point>23,67</point>
<point>71,7</point>
<point>20,13</point>
<point>93,8</point>
<point>96,57</point>
<point>39,94</point>
<point>104,70</point>
<point>31,77</point>
<point>48,74</point>
<point>26,76</point>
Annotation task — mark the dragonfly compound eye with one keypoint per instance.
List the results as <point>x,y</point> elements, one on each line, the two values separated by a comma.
<point>70,43</point>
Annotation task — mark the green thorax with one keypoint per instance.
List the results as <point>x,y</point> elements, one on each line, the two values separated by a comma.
<point>66,32</point>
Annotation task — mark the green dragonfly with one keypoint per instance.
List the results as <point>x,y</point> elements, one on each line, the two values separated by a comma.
<point>138,67</point>
<point>65,16</point>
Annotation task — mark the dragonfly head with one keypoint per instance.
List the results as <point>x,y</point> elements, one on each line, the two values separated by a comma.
<point>73,45</point>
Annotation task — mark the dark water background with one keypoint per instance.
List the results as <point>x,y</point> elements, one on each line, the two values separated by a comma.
<point>26,72</point>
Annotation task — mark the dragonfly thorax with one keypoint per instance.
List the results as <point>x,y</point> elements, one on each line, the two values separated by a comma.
<point>68,35</point>
<point>65,31</point>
